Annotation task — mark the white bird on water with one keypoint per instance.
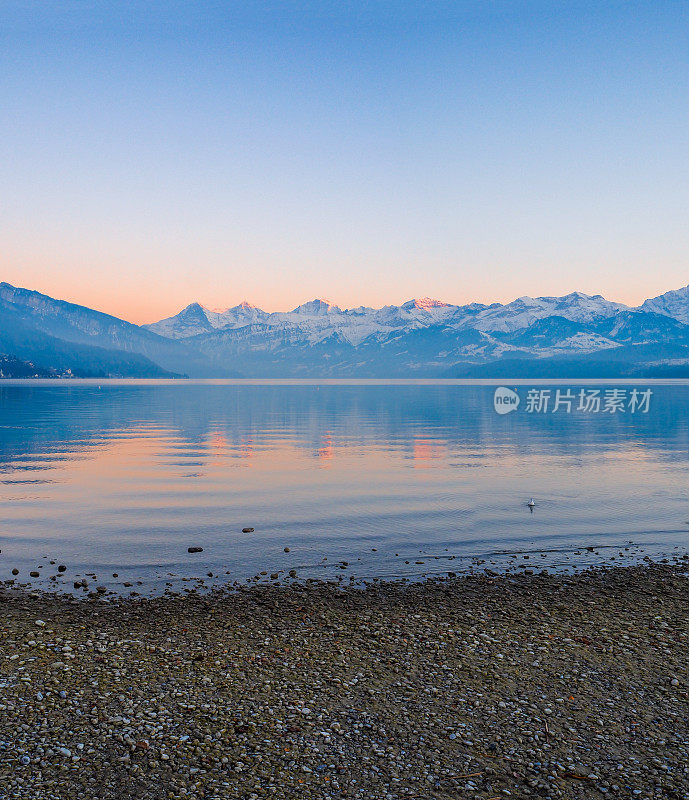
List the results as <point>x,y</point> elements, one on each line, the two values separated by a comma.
<point>531,504</point>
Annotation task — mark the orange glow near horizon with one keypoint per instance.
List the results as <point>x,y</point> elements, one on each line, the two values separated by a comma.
<point>143,298</point>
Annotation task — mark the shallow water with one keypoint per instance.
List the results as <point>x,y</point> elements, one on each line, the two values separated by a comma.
<point>125,476</point>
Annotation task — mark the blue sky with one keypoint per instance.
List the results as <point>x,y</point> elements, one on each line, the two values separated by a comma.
<point>159,153</point>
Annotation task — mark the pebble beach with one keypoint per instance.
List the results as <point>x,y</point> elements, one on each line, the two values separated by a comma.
<point>486,687</point>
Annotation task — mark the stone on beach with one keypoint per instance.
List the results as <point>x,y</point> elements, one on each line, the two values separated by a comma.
<point>569,687</point>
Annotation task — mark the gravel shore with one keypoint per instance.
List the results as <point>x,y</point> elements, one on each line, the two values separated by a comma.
<point>476,687</point>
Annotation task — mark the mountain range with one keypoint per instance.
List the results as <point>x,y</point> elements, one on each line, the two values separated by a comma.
<point>576,335</point>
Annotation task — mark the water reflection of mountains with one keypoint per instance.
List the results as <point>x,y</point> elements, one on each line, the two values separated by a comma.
<point>48,421</point>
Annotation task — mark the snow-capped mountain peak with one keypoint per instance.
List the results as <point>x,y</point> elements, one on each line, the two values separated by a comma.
<point>671,304</point>
<point>317,306</point>
<point>425,303</point>
<point>525,310</point>
<point>191,321</point>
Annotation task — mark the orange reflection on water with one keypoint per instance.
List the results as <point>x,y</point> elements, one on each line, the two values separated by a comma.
<point>218,441</point>
<point>425,451</point>
<point>326,451</point>
<point>246,447</point>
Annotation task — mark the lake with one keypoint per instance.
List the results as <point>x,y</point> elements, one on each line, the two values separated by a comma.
<point>359,480</point>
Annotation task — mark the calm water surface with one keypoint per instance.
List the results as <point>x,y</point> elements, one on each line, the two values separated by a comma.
<point>124,477</point>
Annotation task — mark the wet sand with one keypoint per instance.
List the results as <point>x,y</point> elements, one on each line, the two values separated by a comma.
<point>475,687</point>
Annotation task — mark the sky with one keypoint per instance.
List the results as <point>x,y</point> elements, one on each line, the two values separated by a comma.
<point>159,153</point>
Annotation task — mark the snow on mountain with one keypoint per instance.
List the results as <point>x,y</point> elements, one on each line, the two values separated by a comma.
<point>428,311</point>
<point>671,304</point>
<point>582,342</point>
<point>190,321</point>
<point>196,319</point>
<point>236,317</point>
<point>316,320</point>
<point>643,327</point>
<point>556,335</point>
<point>317,307</point>
<point>524,311</point>
<point>423,335</point>
<point>319,319</point>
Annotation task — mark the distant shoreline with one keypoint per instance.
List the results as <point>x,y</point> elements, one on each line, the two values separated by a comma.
<point>346,381</point>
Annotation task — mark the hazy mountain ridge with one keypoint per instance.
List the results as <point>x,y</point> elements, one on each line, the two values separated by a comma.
<point>59,335</point>
<point>420,338</point>
<point>24,341</point>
